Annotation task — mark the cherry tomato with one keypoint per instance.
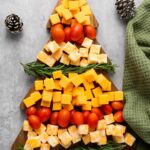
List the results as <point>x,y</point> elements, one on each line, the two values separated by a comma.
<point>118,116</point>
<point>92,120</point>
<point>78,118</point>
<point>54,118</point>
<point>85,116</point>
<point>58,34</point>
<point>34,121</point>
<point>44,114</point>
<point>80,40</point>
<point>117,105</point>
<point>67,31</point>
<point>71,117</point>
<point>76,31</point>
<point>31,111</point>
<point>74,22</point>
<point>63,118</point>
<point>107,109</point>
<point>59,26</point>
<point>98,112</point>
<point>90,32</point>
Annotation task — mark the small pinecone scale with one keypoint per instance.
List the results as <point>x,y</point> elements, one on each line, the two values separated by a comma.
<point>14,23</point>
<point>126,9</point>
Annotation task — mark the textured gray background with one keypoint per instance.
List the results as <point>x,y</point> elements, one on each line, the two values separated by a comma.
<point>14,83</point>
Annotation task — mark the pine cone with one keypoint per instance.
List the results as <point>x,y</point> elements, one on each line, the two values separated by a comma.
<point>13,23</point>
<point>125,8</point>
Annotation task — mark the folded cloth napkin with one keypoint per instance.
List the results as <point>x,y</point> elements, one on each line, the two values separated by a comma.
<point>136,82</point>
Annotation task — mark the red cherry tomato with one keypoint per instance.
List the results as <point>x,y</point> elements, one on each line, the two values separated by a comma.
<point>117,105</point>
<point>63,118</point>
<point>118,116</point>
<point>76,31</point>
<point>34,121</point>
<point>90,32</point>
<point>31,111</point>
<point>98,112</point>
<point>92,120</point>
<point>44,114</point>
<point>78,118</point>
<point>67,31</point>
<point>54,118</point>
<point>85,116</point>
<point>59,26</point>
<point>107,109</point>
<point>80,40</point>
<point>71,117</point>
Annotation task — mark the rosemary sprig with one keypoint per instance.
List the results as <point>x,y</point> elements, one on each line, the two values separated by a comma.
<point>21,147</point>
<point>38,69</point>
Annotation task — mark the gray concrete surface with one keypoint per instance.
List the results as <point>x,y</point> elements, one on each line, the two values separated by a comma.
<point>14,83</point>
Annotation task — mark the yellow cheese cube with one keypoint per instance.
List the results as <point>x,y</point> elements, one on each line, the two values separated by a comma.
<point>57,85</point>
<point>103,99</point>
<point>38,84</point>
<point>77,80</point>
<point>111,96</point>
<point>26,126</point>
<point>53,140</point>
<point>27,146</point>
<point>90,75</point>
<point>65,138</point>
<point>87,106</point>
<point>69,107</point>
<point>72,74</point>
<point>49,84</point>
<point>86,139</point>
<point>66,99</point>
<point>97,91</point>
<point>36,96</point>
<point>34,142</point>
<point>64,82</point>
<point>110,129</point>
<point>69,88</point>
<point>56,96</point>
<point>87,20</point>
<point>67,14</point>
<point>82,2</point>
<point>118,95</point>
<point>57,74</point>
<point>67,22</point>
<point>84,52</point>
<point>84,62</point>
<point>101,124</point>
<point>31,134</point>
<point>45,103</point>
<point>88,94</point>
<point>29,101</point>
<point>95,48</point>
<point>57,106</point>
<point>45,146</point>
<point>83,129</point>
<point>73,5</point>
<point>52,47</point>
<point>44,137</point>
<point>47,96</point>
<point>95,136</point>
<point>74,12</point>
<point>88,85</point>
<point>95,102</point>
<point>65,59</point>
<point>118,139</point>
<point>81,100</point>
<point>129,139</point>
<point>102,58</point>
<point>52,129</point>
<point>68,48</point>
<point>102,140</point>
<point>41,129</point>
<point>77,91</point>
<point>109,118</point>
<point>54,18</point>
<point>86,10</point>
<point>59,9</point>
<point>87,42</point>
<point>80,17</point>
<point>119,130</point>
<point>74,56</point>
<point>65,3</point>
<point>92,58</point>
<point>108,86</point>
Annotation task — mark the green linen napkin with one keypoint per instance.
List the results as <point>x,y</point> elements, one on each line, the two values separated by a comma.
<point>136,83</point>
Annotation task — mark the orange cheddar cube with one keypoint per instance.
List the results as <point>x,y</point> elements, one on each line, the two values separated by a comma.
<point>97,91</point>
<point>64,82</point>
<point>54,18</point>
<point>111,96</point>
<point>74,12</point>
<point>69,88</point>
<point>47,96</point>
<point>118,95</point>
<point>77,91</point>
<point>81,100</point>
<point>95,102</point>
<point>87,106</point>
<point>29,101</point>
<point>67,22</point>
<point>56,106</point>
<point>103,99</point>
<point>88,85</point>
<point>45,103</point>
<point>88,94</point>
<point>57,74</point>
<point>56,96</point>
<point>57,85</point>
<point>66,99</point>
<point>49,84</point>
<point>77,80</point>
<point>36,96</point>
<point>72,74</point>
<point>67,14</point>
<point>69,107</point>
<point>90,75</point>
<point>38,84</point>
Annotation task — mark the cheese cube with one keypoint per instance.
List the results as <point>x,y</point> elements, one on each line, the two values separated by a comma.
<point>92,58</point>
<point>109,118</point>
<point>81,100</point>
<point>83,62</point>
<point>34,142</point>
<point>101,124</point>
<point>45,103</point>
<point>38,84</point>
<point>86,10</point>
<point>53,140</point>
<point>65,138</point>
<point>129,139</point>
<point>83,129</point>
<point>60,132</point>
<point>65,59</point>
<point>45,146</point>
<point>118,139</point>
<point>47,96</point>
<point>65,3</point>
<point>74,56</point>
<point>95,102</point>
<point>50,61</point>
<point>75,63</point>
<point>103,99</point>
<point>67,22</point>
<point>52,129</point>
<point>74,5</point>
<point>66,99</point>
<point>57,85</point>
<point>28,101</point>
<point>95,136</point>
<point>54,19</point>
<point>87,21</point>
<point>110,129</point>
<point>69,107</point>
<point>66,14</point>
<point>59,9</point>
<point>111,96</point>
<point>27,146</point>
<point>68,48</point>
<point>65,146</point>
<point>108,87</point>
<point>31,134</point>
<point>102,140</point>
<point>86,139</point>
<point>90,75</point>
<point>57,96</point>
<point>74,12</point>
<point>52,47</point>
<point>72,74</point>
<point>74,134</point>
<point>88,94</point>
<point>88,85</point>
<point>102,58</point>
<point>49,84</point>
<point>77,91</point>
<point>57,106</point>
<point>69,88</point>
<point>57,55</point>
<point>41,129</point>
<point>95,48</point>
<point>77,80</point>
<point>36,96</point>
<point>119,130</point>
<point>57,74</point>
<point>87,106</point>
<point>97,91</point>
<point>82,2</point>
<point>102,132</point>
<point>44,137</point>
<point>84,52</point>
<point>87,42</point>
<point>80,17</point>
<point>118,95</point>
<point>64,82</point>
<point>26,126</point>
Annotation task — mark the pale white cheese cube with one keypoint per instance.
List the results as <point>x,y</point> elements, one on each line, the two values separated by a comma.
<point>26,126</point>
<point>41,129</point>
<point>44,137</point>
<point>34,142</point>
<point>86,139</point>
<point>65,138</point>
<point>57,55</point>
<point>95,48</point>
<point>119,130</point>
<point>68,48</point>
<point>65,59</point>
<point>53,140</point>
<point>50,61</point>
<point>52,129</point>
<point>84,62</point>
<point>101,124</point>
<point>102,140</point>
<point>129,139</point>
<point>83,129</point>
<point>84,52</point>
<point>74,56</point>
<point>77,63</point>
<point>95,135</point>
<point>31,134</point>
<point>65,146</point>
<point>92,58</point>
<point>45,146</point>
<point>87,42</point>
<point>109,118</point>
<point>102,58</point>
<point>102,132</point>
<point>110,129</point>
<point>52,46</point>
<point>118,139</point>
